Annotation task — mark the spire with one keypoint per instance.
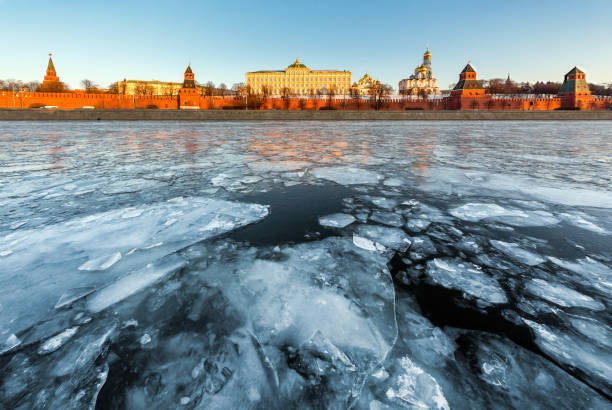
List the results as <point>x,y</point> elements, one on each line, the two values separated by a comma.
<point>50,66</point>
<point>188,70</point>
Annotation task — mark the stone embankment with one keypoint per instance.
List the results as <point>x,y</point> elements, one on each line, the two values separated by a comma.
<point>277,115</point>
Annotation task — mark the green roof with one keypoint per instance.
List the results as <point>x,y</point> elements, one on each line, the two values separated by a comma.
<point>575,70</point>
<point>297,64</point>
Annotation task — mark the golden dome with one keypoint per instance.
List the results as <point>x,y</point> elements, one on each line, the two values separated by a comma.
<point>421,69</point>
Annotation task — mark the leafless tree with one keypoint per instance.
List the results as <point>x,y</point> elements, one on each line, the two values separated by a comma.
<point>286,95</point>
<point>378,93</point>
<point>265,92</point>
<point>331,93</point>
<point>474,105</point>
<point>355,96</point>
<point>222,89</point>
<point>210,88</point>
<point>33,86</point>
<point>88,85</point>
<point>490,104</point>
<point>113,88</point>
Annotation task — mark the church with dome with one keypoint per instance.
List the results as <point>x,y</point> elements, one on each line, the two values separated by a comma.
<point>422,82</point>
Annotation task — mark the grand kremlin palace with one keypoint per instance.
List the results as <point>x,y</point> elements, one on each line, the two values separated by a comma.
<point>299,79</point>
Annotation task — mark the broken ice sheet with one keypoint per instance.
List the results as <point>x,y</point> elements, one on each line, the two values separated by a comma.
<point>44,263</point>
<point>467,278</point>
<point>590,362</point>
<point>338,220</point>
<point>561,295</point>
<point>315,317</point>
<point>517,253</point>
<point>346,175</point>
<point>393,238</point>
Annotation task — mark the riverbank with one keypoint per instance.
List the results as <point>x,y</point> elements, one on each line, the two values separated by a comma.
<point>275,115</point>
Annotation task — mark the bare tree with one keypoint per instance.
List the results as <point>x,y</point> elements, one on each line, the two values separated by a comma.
<point>113,88</point>
<point>285,95</point>
<point>265,92</point>
<point>474,105</point>
<point>331,93</point>
<point>379,92</point>
<point>356,96</point>
<point>490,104</point>
<point>222,89</point>
<point>88,85</point>
<point>33,86</point>
<point>210,88</point>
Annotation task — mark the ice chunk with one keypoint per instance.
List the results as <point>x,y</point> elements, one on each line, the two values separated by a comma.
<point>132,283</point>
<point>593,363</point>
<point>101,263</point>
<point>475,212</point>
<point>592,329</point>
<point>412,386</point>
<point>43,263</point>
<point>9,344</point>
<point>417,225</point>
<point>387,218</point>
<point>467,278</point>
<point>57,341</point>
<point>596,273</point>
<point>561,295</point>
<point>124,186</point>
<point>581,220</point>
<point>518,253</point>
<point>368,245</point>
<point>393,238</point>
<point>338,220</point>
<point>381,201</point>
<point>345,175</point>
<point>277,166</point>
<point>394,182</point>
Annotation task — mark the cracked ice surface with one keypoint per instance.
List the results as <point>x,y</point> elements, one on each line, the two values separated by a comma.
<point>92,251</point>
<point>502,227</point>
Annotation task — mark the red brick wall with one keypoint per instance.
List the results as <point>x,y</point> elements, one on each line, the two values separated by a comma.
<point>483,102</point>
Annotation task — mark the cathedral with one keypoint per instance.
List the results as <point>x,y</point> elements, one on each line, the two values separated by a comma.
<point>422,82</point>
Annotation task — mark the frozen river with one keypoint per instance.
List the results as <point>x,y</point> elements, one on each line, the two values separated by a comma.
<point>366,265</point>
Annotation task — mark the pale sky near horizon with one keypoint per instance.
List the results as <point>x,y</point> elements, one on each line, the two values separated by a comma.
<point>106,41</point>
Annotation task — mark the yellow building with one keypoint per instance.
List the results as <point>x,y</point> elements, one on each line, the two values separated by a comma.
<point>137,87</point>
<point>300,79</point>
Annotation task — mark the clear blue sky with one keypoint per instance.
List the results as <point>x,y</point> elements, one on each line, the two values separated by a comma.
<point>107,40</point>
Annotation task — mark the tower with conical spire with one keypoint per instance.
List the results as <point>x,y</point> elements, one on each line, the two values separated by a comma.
<point>51,81</point>
<point>189,98</point>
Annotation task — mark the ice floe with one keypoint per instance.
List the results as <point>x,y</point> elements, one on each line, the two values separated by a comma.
<point>467,278</point>
<point>517,253</point>
<point>338,220</point>
<point>345,175</point>
<point>561,295</point>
